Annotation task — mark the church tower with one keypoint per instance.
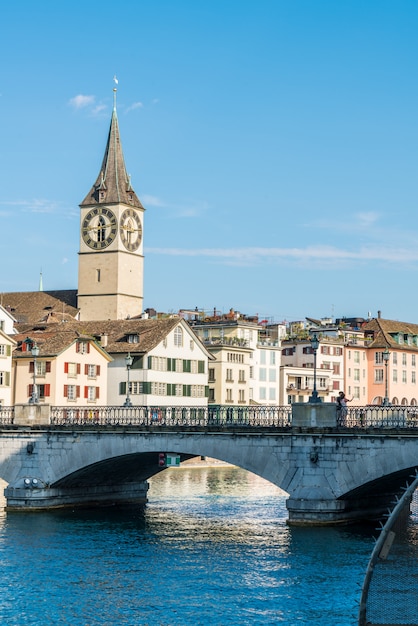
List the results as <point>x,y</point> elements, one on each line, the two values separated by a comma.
<point>111,262</point>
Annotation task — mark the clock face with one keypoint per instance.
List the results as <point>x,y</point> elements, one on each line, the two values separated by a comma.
<point>99,228</point>
<point>130,229</point>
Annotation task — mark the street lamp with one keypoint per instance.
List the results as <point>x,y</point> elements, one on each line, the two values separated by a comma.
<point>128,361</point>
<point>314,398</point>
<point>386,356</point>
<point>34,397</point>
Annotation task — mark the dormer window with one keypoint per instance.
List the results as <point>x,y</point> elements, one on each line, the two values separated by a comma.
<point>134,338</point>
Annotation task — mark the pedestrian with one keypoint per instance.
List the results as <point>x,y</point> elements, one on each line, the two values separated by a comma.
<point>342,409</point>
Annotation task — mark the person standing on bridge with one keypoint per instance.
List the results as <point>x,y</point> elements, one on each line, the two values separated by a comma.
<point>342,408</point>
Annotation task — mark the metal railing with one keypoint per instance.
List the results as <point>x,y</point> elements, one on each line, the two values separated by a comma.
<point>374,416</point>
<point>210,416</point>
<point>356,417</point>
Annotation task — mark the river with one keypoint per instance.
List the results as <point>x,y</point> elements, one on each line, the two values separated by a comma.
<point>210,548</point>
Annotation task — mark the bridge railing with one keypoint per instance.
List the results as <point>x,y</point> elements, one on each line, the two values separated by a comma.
<point>216,416</point>
<point>374,416</point>
<point>6,415</point>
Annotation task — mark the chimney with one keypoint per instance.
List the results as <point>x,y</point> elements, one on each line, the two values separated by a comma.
<point>103,340</point>
<point>379,314</point>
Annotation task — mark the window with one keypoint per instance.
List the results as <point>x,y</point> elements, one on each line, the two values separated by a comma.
<point>413,360</point>
<point>395,376</point>
<point>262,357</point>
<point>134,338</point>
<point>43,391</point>
<point>211,374</point>
<point>251,371</point>
<point>263,374</point>
<point>241,395</point>
<point>307,350</point>
<point>336,368</point>
<point>272,394</point>
<point>378,374</point>
<point>272,358</point>
<point>325,350</point>
<point>322,382</point>
<point>404,359</point>
<point>404,379</point>
<point>378,358</point>
<point>356,393</point>
<point>41,368</point>
<point>413,378</point>
<point>229,395</point>
<point>178,336</point>
<point>171,365</point>
<point>91,393</point>
<point>4,379</point>
<point>356,374</point>
<point>187,366</point>
<point>92,371</point>
<point>356,356</point>
<point>71,392</point>
<point>72,369</point>
<point>335,384</point>
<point>263,395</point>
<point>272,375</point>
<point>2,349</point>
<point>241,376</point>
<point>83,347</point>
<point>229,375</point>
<point>395,358</point>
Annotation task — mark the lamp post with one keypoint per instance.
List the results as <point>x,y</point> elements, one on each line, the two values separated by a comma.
<point>386,356</point>
<point>34,397</point>
<point>128,362</point>
<point>314,398</point>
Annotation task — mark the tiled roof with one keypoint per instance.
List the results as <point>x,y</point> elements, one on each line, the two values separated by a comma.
<point>384,329</point>
<point>56,336</point>
<point>29,307</point>
<point>51,342</point>
<point>113,179</point>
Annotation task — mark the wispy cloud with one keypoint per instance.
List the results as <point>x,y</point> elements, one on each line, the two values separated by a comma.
<point>37,205</point>
<point>134,106</point>
<point>81,101</point>
<point>327,256</point>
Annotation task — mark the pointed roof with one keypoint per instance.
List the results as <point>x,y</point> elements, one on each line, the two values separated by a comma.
<point>113,184</point>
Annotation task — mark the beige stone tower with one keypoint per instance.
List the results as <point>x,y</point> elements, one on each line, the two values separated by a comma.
<point>111,262</point>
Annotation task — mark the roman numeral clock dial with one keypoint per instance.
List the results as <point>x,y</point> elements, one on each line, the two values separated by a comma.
<point>130,229</point>
<point>99,228</point>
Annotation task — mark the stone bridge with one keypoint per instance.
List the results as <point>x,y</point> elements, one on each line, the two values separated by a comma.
<point>332,474</point>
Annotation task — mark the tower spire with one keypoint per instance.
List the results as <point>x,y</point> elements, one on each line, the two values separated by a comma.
<point>113,185</point>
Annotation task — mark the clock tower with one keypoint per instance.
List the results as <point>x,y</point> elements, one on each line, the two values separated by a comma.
<point>111,261</point>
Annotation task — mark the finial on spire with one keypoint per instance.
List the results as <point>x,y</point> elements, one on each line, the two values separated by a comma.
<point>115,80</point>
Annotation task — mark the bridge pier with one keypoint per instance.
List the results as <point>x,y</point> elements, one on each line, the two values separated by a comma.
<point>35,496</point>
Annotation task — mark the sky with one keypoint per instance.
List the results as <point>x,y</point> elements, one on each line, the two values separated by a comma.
<point>273,143</point>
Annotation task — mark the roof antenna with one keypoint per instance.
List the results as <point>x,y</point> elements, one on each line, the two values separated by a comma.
<point>41,286</point>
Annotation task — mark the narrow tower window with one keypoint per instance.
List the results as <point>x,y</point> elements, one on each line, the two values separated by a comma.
<point>98,275</point>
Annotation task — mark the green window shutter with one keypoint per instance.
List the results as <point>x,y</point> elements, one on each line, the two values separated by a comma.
<point>122,389</point>
<point>150,362</point>
<point>171,389</point>
<point>187,365</point>
<point>206,391</point>
<point>201,367</point>
<point>187,390</point>
<point>146,387</point>
<point>7,378</point>
<point>8,350</point>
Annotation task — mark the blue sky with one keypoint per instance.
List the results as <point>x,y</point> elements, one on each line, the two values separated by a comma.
<point>273,143</point>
